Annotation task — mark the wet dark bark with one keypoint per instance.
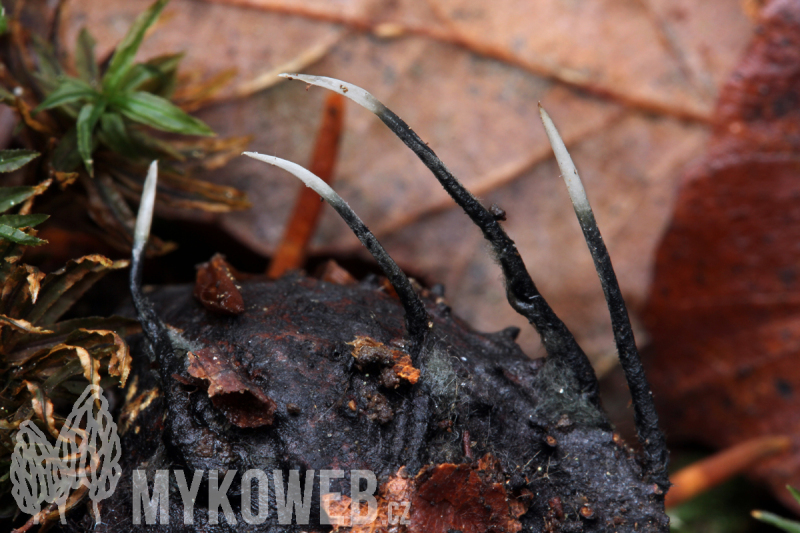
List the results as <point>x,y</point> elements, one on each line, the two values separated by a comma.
<point>477,394</point>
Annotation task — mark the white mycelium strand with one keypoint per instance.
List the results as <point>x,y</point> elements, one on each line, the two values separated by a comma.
<point>348,90</point>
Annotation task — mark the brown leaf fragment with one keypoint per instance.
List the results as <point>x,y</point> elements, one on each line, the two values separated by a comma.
<point>120,363</point>
<point>90,365</point>
<point>42,406</point>
<point>21,325</point>
<point>332,272</point>
<point>34,279</point>
<point>216,287</point>
<point>468,498</point>
<point>369,352</point>
<point>242,402</point>
<point>393,500</point>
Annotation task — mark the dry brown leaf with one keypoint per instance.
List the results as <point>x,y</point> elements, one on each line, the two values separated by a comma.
<point>43,407</point>
<point>21,325</point>
<point>644,53</point>
<point>91,366</point>
<point>723,308</point>
<point>120,362</point>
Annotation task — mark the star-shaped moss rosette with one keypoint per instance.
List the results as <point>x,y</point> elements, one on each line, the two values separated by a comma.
<point>46,362</point>
<point>101,123</point>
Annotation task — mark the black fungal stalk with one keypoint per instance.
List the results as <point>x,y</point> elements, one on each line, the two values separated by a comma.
<point>554,447</point>
<point>521,291</point>
<point>416,317</point>
<point>153,327</point>
<point>645,415</point>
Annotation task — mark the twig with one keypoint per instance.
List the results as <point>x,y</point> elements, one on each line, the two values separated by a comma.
<point>521,292</point>
<point>645,415</point>
<point>305,59</point>
<point>416,316</point>
<point>703,475</point>
<point>291,253</point>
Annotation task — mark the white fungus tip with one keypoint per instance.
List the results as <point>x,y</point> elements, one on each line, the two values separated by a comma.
<point>305,175</point>
<point>348,90</point>
<point>145,216</point>
<point>568,171</point>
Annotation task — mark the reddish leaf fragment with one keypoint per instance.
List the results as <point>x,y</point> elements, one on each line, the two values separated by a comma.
<point>464,497</point>
<point>440,499</point>
<point>723,310</point>
<point>216,287</point>
<point>242,402</point>
<point>393,507</point>
<point>369,352</point>
<point>332,272</point>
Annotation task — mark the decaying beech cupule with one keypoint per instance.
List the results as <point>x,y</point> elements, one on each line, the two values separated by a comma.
<point>527,432</point>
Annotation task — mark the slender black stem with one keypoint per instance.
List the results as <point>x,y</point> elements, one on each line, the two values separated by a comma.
<point>417,320</point>
<point>154,329</point>
<point>644,410</point>
<point>521,291</point>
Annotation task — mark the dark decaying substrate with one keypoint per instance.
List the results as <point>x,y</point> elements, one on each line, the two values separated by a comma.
<point>305,374</point>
